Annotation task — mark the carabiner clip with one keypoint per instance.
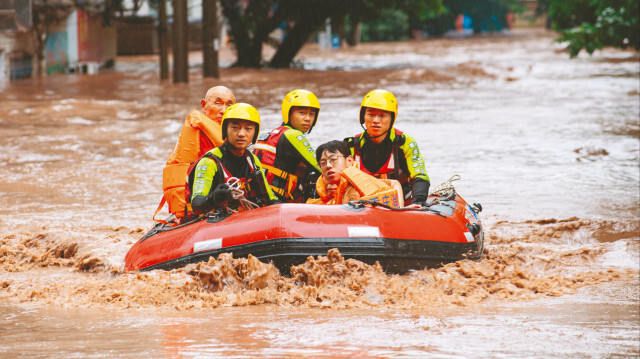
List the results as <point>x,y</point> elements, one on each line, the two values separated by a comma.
<point>234,182</point>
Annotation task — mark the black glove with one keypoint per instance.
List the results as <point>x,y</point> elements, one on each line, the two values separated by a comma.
<point>419,200</point>
<point>222,193</point>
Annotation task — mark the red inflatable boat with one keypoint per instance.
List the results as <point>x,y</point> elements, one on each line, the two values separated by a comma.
<point>447,230</point>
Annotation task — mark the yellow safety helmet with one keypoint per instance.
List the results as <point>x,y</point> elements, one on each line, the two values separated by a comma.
<point>241,111</point>
<point>382,100</point>
<point>300,98</point>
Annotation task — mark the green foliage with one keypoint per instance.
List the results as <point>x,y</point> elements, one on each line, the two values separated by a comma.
<point>569,13</point>
<point>393,25</point>
<point>422,9</point>
<point>607,23</point>
<point>392,20</point>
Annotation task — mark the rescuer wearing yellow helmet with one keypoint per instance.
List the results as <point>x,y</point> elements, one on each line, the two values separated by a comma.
<point>285,152</point>
<point>209,177</point>
<point>386,152</point>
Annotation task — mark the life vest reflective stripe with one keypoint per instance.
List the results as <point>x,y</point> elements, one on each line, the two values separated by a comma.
<point>265,149</point>
<point>263,146</point>
<point>188,149</point>
<point>390,169</point>
<point>385,172</point>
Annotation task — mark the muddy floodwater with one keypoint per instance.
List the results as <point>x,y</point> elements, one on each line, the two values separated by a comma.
<point>548,145</point>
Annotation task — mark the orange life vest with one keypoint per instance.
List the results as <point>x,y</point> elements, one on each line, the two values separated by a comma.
<point>265,149</point>
<point>288,186</point>
<point>188,149</point>
<point>368,187</point>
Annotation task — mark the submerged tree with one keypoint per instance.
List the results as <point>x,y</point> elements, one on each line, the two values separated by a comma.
<point>593,24</point>
<point>251,22</point>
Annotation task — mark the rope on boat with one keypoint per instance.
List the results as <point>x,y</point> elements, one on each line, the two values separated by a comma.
<point>445,192</point>
<point>445,188</point>
<point>364,202</point>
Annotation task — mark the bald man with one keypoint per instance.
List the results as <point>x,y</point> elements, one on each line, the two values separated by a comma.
<point>215,102</point>
<point>200,133</point>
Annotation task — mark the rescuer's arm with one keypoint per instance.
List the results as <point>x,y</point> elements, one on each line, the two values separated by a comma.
<point>417,171</point>
<point>420,190</point>
<point>203,197</point>
<point>351,142</point>
<point>299,142</point>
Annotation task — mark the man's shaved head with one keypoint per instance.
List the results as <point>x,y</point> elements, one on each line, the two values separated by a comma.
<point>216,101</point>
<point>222,92</point>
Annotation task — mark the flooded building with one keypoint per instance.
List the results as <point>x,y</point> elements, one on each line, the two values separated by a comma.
<point>16,45</point>
<point>38,37</point>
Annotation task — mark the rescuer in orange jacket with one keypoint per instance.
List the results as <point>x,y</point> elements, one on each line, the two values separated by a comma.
<point>342,181</point>
<point>200,133</point>
<point>285,152</point>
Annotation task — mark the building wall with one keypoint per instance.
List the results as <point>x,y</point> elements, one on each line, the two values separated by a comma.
<point>17,55</point>
<point>56,49</point>
<point>73,44</point>
<point>78,41</point>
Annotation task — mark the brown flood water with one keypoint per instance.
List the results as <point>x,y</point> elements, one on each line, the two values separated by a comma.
<point>549,146</point>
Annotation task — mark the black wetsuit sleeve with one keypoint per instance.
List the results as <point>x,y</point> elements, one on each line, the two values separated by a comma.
<point>203,204</point>
<point>419,189</point>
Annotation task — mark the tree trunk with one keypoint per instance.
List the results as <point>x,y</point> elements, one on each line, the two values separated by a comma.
<point>249,43</point>
<point>353,37</point>
<point>162,39</point>
<point>180,45</point>
<point>210,38</point>
<point>296,38</point>
<point>39,26</point>
<point>248,55</point>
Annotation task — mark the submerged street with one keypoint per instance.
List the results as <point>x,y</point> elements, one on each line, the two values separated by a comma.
<point>547,144</point>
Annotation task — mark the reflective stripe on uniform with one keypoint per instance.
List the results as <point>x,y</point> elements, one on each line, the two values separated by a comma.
<point>265,147</point>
